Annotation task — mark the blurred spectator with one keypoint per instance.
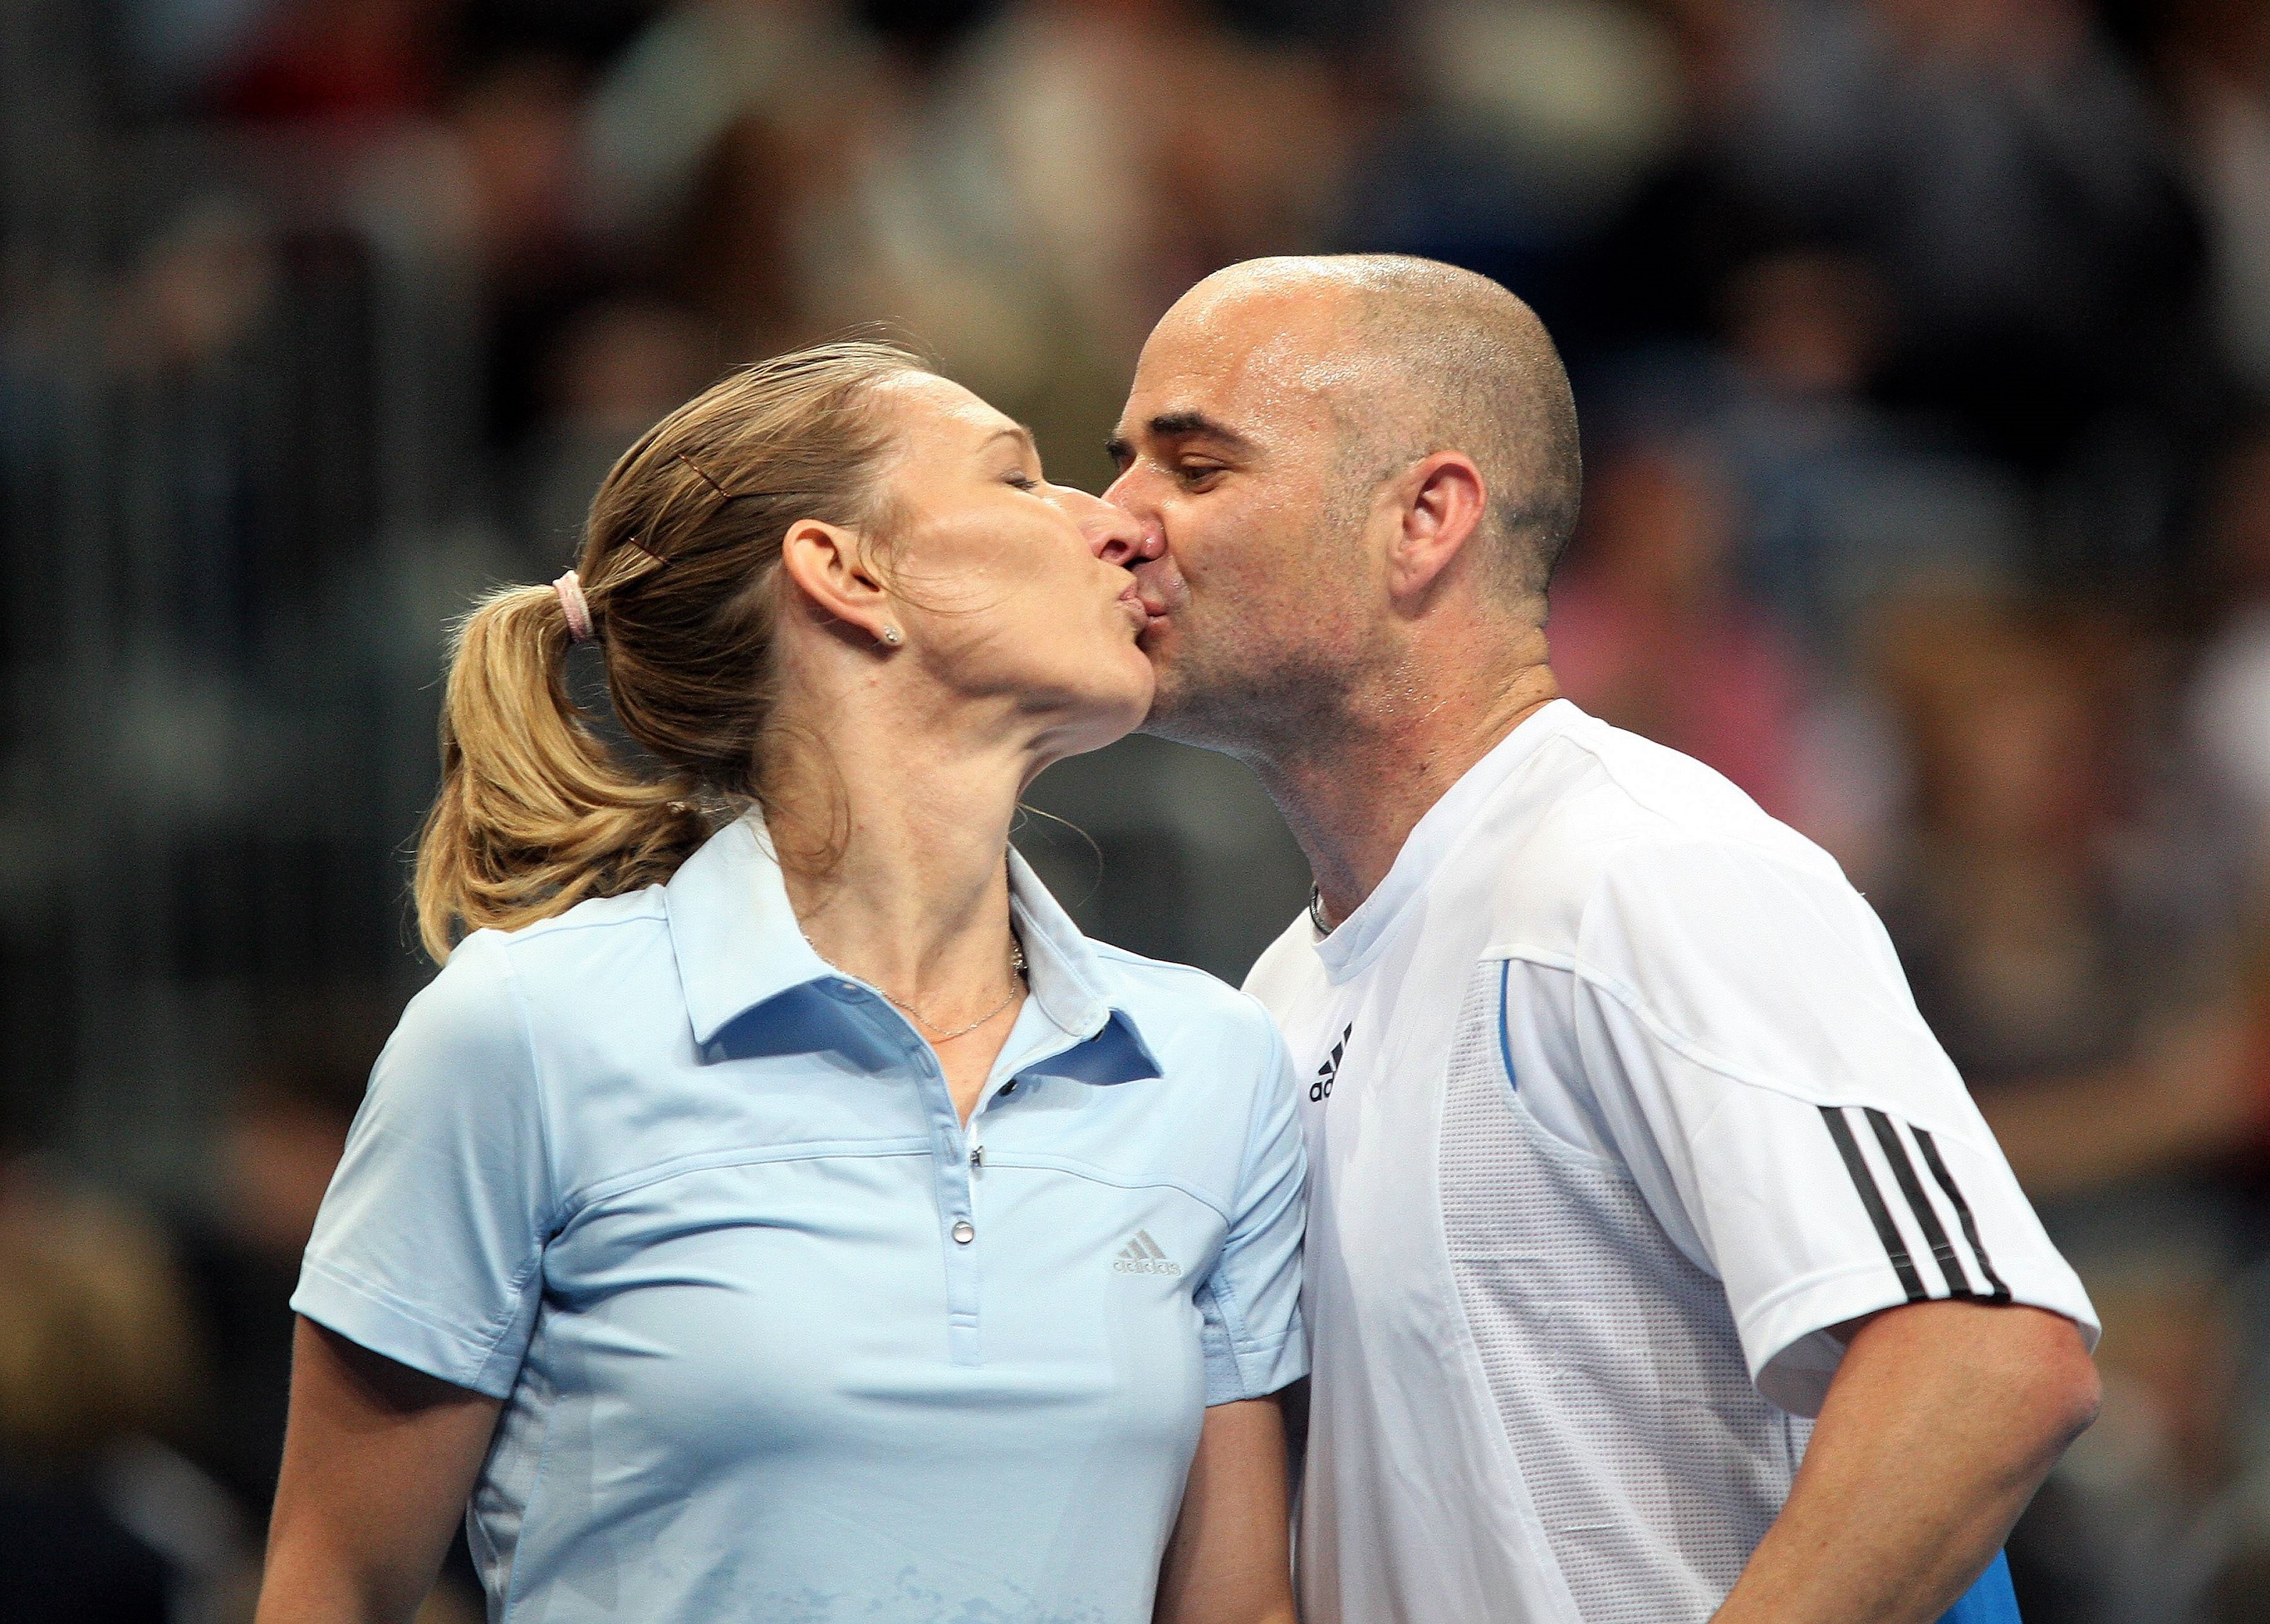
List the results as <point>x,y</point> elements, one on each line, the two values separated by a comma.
<point>731,146</point>
<point>1847,502</point>
<point>276,1142</point>
<point>1576,98</point>
<point>1139,145</point>
<point>695,71</point>
<point>199,290</point>
<point>1509,134</point>
<point>334,60</point>
<point>275,1145</point>
<point>2055,901</point>
<point>618,367</point>
<point>2218,57</point>
<point>1809,328</point>
<point>786,180</point>
<point>2066,915</point>
<point>2005,174</point>
<point>1648,633</point>
<point>2231,695</point>
<point>101,1520</point>
<point>517,127</point>
<point>513,135</point>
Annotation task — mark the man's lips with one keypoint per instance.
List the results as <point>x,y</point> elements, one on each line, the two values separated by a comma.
<point>1158,584</point>
<point>1150,613</point>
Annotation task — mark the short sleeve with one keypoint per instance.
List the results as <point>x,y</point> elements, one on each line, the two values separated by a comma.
<point>427,1246</point>
<point>1251,1302</point>
<point>1753,1049</point>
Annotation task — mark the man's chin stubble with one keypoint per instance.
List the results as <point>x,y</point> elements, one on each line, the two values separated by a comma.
<point>1256,716</point>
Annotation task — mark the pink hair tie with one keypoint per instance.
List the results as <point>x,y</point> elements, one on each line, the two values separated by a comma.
<point>572,603</point>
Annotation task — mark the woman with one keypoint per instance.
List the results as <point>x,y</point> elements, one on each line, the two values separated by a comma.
<point>801,1221</point>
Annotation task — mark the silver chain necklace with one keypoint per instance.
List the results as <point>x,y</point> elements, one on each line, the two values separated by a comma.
<point>1016,986</point>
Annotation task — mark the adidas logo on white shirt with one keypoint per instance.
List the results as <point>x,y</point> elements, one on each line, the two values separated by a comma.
<point>1142,1256</point>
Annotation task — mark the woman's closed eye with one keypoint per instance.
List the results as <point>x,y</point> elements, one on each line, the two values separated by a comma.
<point>1020,480</point>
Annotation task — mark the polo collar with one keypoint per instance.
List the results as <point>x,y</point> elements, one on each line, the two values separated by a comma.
<point>740,947</point>
<point>1068,982</point>
<point>737,938</point>
<point>1432,840</point>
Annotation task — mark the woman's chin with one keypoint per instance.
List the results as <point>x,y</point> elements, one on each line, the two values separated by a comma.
<point>1105,718</point>
<point>1120,720</point>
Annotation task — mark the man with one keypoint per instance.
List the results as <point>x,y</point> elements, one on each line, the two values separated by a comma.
<point>1629,1151</point>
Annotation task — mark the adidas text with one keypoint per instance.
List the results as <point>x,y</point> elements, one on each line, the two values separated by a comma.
<point>1143,1256</point>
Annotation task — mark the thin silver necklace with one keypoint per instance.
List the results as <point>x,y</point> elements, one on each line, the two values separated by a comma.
<point>1016,986</point>
<point>1316,910</point>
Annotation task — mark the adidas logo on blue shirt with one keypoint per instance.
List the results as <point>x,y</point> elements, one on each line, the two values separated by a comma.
<point>1142,1256</point>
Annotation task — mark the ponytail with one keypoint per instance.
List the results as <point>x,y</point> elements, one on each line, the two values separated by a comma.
<point>679,565</point>
<point>535,813</point>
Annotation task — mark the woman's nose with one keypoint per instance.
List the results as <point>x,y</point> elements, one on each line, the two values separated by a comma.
<point>1114,535</point>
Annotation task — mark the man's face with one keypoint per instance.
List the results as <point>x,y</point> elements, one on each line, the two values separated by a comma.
<point>1229,450</point>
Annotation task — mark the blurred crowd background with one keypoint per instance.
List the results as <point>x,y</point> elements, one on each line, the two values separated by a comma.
<point>1924,353</point>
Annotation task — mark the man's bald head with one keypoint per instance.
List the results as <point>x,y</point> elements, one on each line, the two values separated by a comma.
<point>1417,357</point>
<point>1361,469</point>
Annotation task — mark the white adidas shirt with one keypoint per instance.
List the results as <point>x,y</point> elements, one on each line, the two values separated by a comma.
<point>1616,1101</point>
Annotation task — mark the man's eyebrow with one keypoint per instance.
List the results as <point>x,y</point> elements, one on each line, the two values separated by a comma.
<point>1197,424</point>
<point>1180,426</point>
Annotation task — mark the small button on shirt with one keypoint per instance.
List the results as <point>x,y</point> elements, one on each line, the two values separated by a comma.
<point>776,1337</point>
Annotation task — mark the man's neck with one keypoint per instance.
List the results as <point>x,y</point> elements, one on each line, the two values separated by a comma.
<point>1352,799</point>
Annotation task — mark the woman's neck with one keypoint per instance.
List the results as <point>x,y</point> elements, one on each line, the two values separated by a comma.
<point>916,819</point>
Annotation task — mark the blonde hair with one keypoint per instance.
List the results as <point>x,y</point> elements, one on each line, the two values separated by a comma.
<point>679,568</point>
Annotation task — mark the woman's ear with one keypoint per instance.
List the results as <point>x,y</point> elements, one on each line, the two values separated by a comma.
<point>829,567</point>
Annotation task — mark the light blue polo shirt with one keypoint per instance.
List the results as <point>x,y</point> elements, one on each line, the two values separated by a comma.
<point>779,1339</point>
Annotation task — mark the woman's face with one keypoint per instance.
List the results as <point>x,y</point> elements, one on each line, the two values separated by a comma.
<point>1011,588</point>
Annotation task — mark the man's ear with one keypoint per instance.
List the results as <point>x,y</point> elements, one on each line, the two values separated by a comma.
<point>1443,503</point>
<point>830,569</point>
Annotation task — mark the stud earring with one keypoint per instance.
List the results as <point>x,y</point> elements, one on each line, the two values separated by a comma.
<point>891,638</point>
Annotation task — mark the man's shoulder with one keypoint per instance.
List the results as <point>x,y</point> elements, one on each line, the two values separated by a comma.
<point>1603,803</point>
<point>1601,787</point>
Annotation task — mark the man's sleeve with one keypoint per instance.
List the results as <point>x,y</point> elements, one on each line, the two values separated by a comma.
<point>1753,1048</point>
<point>428,1245</point>
<point>1249,1303</point>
